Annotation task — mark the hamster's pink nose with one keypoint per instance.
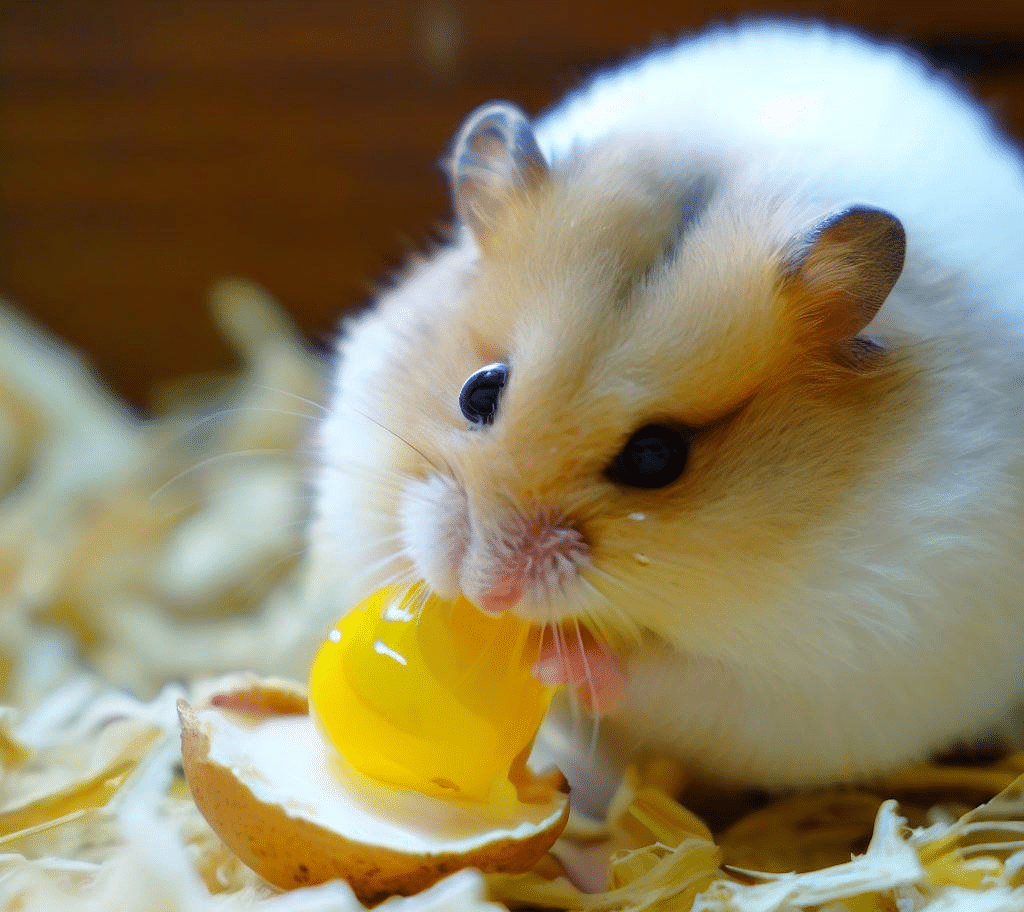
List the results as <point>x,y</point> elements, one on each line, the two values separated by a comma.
<point>503,596</point>
<point>531,560</point>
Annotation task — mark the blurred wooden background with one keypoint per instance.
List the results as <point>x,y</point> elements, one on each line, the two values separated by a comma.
<point>148,148</point>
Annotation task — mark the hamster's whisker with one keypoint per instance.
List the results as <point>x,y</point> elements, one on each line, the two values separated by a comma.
<point>192,426</point>
<point>378,565</point>
<point>391,476</point>
<point>195,506</point>
<point>623,619</point>
<point>196,423</point>
<point>595,711</point>
<point>394,547</point>
<point>322,409</point>
<point>402,576</point>
<point>453,473</point>
<point>597,625</point>
<point>265,575</point>
<point>620,620</point>
<point>387,538</point>
<point>560,650</point>
<point>421,594</point>
<point>213,460</point>
<point>397,436</point>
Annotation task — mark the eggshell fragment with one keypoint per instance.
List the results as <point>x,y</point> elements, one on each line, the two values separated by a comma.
<point>272,790</point>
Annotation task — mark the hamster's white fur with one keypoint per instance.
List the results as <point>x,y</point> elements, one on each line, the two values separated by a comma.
<point>895,625</point>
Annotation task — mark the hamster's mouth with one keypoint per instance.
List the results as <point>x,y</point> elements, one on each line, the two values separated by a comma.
<point>572,655</point>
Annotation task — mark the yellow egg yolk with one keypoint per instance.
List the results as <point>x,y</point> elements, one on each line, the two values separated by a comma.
<point>430,695</point>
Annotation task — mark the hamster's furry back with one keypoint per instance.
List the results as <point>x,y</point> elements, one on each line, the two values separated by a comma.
<point>871,644</point>
<point>848,117</point>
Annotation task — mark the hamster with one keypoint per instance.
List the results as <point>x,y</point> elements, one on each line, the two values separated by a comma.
<point>719,378</point>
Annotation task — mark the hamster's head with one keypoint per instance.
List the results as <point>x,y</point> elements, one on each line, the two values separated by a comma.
<point>635,397</point>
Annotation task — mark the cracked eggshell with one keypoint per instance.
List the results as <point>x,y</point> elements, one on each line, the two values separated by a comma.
<point>270,787</point>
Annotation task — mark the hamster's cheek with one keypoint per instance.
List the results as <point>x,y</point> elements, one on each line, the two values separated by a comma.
<point>434,520</point>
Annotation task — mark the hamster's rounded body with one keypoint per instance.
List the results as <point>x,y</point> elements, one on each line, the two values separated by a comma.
<point>834,585</point>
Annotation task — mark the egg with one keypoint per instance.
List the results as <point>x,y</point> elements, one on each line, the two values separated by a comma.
<point>431,695</point>
<point>411,763</point>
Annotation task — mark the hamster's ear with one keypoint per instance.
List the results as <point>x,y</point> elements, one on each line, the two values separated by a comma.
<point>841,273</point>
<point>495,160</point>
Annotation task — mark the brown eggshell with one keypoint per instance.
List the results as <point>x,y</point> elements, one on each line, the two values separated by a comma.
<point>286,837</point>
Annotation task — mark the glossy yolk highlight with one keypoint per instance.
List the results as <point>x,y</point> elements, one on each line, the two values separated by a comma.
<point>430,695</point>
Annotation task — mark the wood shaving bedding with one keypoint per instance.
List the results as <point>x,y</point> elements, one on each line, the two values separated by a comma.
<point>142,560</point>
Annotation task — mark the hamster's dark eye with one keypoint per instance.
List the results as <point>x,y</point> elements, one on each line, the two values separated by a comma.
<point>480,393</point>
<point>653,457</point>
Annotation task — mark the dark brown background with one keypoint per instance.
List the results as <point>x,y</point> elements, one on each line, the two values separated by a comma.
<point>147,148</point>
